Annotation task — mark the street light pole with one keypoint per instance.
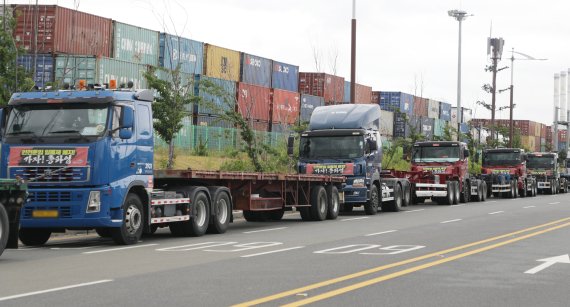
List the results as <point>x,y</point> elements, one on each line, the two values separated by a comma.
<point>528,58</point>
<point>459,16</point>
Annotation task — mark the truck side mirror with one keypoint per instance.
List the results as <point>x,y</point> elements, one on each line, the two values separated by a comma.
<point>290,145</point>
<point>126,123</point>
<point>466,153</point>
<point>372,145</point>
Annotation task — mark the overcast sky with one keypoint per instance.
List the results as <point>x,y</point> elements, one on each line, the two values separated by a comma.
<point>404,45</point>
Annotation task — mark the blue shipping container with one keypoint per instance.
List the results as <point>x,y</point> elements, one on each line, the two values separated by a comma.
<point>427,128</point>
<point>308,104</point>
<point>346,91</point>
<point>220,103</point>
<point>285,77</point>
<point>464,128</point>
<point>397,101</point>
<point>256,70</point>
<point>404,123</point>
<point>44,67</point>
<point>445,111</point>
<point>175,50</point>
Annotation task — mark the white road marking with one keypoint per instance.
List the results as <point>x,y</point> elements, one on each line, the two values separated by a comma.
<point>554,203</point>
<point>458,205</point>
<point>118,249</point>
<point>271,252</point>
<point>72,248</point>
<point>497,212</point>
<point>263,230</point>
<point>54,289</point>
<point>417,210</point>
<point>380,233</point>
<point>354,219</point>
<point>450,221</point>
<point>492,201</point>
<point>529,207</point>
<point>513,199</point>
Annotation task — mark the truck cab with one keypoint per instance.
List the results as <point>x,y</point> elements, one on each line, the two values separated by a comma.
<point>543,166</point>
<point>344,140</point>
<point>87,164</point>
<point>505,171</point>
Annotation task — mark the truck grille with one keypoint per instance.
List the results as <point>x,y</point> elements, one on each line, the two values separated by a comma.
<point>46,174</point>
<point>49,196</point>
<point>64,211</point>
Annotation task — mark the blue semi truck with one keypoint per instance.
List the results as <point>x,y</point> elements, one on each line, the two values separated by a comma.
<point>344,140</point>
<point>87,157</point>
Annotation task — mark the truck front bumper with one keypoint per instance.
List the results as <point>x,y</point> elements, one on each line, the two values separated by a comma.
<point>431,190</point>
<point>355,195</point>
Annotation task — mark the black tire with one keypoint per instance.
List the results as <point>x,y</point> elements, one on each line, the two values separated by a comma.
<point>319,203</point>
<point>151,230</point>
<point>220,218</point>
<point>396,204</point>
<point>450,198</point>
<point>522,193</point>
<point>4,228</point>
<point>34,236</point>
<point>479,196</point>
<point>484,188</point>
<point>131,230</point>
<point>347,207</point>
<point>198,223</point>
<point>457,197</point>
<point>516,188</point>
<point>465,193</point>
<point>371,207</point>
<point>305,213</point>
<point>565,186</point>
<point>488,189</point>
<point>406,200</point>
<point>103,232</point>
<point>275,215</point>
<point>334,202</point>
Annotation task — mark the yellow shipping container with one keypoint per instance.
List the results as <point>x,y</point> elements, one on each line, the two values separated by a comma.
<point>221,63</point>
<point>529,142</point>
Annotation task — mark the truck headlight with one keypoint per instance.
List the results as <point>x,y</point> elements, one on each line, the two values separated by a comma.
<point>358,183</point>
<point>94,202</point>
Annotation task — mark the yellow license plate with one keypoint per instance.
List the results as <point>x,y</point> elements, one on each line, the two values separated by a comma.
<point>45,213</point>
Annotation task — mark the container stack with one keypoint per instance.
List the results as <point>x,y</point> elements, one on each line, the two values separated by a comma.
<point>330,87</point>
<point>286,100</point>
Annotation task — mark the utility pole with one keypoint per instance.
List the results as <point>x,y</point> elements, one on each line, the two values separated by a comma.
<point>495,47</point>
<point>353,55</point>
<point>34,61</point>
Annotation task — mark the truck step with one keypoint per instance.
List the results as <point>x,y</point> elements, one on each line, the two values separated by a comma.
<point>160,202</point>
<point>168,219</point>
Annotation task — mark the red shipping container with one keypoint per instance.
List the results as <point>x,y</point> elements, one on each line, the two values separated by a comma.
<point>420,106</point>
<point>259,125</point>
<point>330,87</point>
<point>285,106</point>
<point>254,102</point>
<point>62,30</point>
<point>561,135</point>
<point>363,94</point>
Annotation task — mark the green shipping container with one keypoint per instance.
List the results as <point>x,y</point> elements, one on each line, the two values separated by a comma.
<point>72,68</point>
<point>135,44</point>
<point>121,71</point>
<point>439,127</point>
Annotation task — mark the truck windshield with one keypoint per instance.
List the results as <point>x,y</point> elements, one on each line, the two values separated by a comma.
<point>501,158</point>
<point>435,154</point>
<point>540,162</point>
<point>77,121</point>
<point>337,147</point>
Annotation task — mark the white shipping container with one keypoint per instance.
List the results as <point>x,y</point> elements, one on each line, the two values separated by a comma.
<point>433,109</point>
<point>386,123</point>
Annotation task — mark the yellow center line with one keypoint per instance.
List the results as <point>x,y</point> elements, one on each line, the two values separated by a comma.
<point>388,266</point>
<point>376,280</point>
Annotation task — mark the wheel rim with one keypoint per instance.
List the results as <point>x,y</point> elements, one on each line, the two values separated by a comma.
<point>200,215</point>
<point>335,203</point>
<point>133,219</point>
<point>222,214</point>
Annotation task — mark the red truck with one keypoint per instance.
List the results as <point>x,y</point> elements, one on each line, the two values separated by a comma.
<point>440,171</point>
<point>504,170</point>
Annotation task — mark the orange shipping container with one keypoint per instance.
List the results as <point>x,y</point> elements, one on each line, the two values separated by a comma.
<point>221,63</point>
<point>62,30</point>
<point>285,106</point>
<point>330,87</point>
<point>253,102</point>
<point>363,93</point>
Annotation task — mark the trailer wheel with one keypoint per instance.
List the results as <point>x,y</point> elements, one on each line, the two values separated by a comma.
<point>305,213</point>
<point>220,220</point>
<point>396,204</point>
<point>4,228</point>
<point>198,223</point>
<point>131,230</point>
<point>319,203</point>
<point>34,236</point>
<point>457,197</point>
<point>407,196</point>
<point>103,232</point>
<point>484,189</point>
<point>466,192</point>
<point>371,207</point>
<point>334,202</point>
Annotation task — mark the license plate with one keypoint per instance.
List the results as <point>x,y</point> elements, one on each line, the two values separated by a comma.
<point>45,213</point>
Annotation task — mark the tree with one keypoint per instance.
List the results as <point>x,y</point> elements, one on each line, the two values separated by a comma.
<point>13,78</point>
<point>170,104</point>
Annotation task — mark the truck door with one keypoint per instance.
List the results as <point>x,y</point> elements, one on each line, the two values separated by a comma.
<point>144,140</point>
<point>123,151</point>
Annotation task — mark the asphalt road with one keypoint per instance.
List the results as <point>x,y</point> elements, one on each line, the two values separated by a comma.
<point>496,253</point>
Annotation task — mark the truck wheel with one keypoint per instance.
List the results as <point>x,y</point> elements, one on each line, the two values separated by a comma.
<point>516,188</point>
<point>565,186</point>
<point>4,228</point>
<point>34,236</point>
<point>407,196</point>
<point>103,232</point>
<point>466,192</point>
<point>457,196</point>
<point>220,220</point>
<point>334,202</point>
<point>319,203</point>
<point>396,204</point>
<point>131,230</point>
<point>371,207</point>
<point>198,223</point>
<point>450,198</point>
<point>522,193</point>
<point>275,215</point>
<point>479,196</point>
<point>305,213</point>
<point>535,189</point>
<point>484,189</point>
